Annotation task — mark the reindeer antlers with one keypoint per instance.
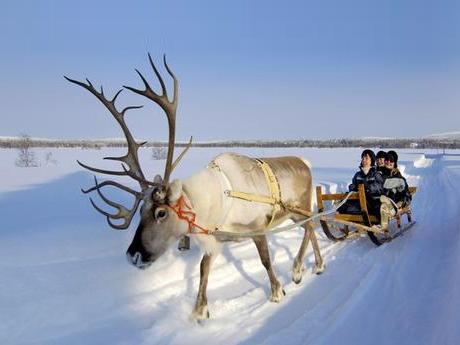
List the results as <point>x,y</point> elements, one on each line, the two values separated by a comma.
<point>131,158</point>
<point>122,212</point>
<point>130,161</point>
<point>168,107</point>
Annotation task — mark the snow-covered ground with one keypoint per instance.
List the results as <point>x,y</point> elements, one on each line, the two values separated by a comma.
<point>65,279</point>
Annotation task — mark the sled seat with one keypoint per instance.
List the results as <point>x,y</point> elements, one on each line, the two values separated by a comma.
<point>364,217</point>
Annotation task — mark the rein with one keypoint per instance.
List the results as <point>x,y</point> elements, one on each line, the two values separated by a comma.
<point>189,216</point>
<point>184,212</point>
<point>277,229</point>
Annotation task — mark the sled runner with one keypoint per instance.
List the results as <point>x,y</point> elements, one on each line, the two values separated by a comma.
<point>339,226</point>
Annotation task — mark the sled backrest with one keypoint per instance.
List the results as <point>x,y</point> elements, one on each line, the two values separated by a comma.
<point>360,195</point>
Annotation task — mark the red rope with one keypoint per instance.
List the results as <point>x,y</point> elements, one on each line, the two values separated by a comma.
<point>188,215</point>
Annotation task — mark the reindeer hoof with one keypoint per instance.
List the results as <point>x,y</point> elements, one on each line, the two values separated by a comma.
<point>318,269</point>
<point>297,274</point>
<point>200,314</point>
<point>201,321</point>
<point>277,295</point>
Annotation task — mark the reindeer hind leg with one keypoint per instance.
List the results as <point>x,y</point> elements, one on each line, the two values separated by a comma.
<point>319,262</point>
<point>297,267</point>
<point>277,291</point>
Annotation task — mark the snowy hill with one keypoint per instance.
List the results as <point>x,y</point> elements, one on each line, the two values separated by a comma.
<point>65,279</point>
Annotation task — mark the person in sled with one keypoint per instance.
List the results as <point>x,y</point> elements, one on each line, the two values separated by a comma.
<point>395,191</point>
<point>373,185</point>
<point>380,161</point>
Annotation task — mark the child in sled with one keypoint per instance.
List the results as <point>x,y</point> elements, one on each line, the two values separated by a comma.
<point>395,192</point>
<point>373,185</point>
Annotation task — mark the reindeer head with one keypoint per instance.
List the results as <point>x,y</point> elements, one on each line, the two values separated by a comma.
<point>159,224</point>
<point>159,227</point>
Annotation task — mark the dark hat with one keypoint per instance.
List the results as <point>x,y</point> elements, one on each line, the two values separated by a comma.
<point>381,154</point>
<point>392,156</point>
<point>369,153</point>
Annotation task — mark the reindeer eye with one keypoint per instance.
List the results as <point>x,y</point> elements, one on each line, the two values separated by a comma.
<point>160,213</point>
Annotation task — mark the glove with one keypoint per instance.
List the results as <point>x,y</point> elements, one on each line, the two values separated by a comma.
<point>394,184</point>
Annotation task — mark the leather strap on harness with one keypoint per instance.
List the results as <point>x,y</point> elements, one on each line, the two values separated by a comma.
<point>274,188</point>
<point>185,212</point>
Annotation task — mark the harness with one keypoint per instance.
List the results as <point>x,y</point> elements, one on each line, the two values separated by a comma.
<point>274,188</point>
<point>185,212</point>
<point>189,216</point>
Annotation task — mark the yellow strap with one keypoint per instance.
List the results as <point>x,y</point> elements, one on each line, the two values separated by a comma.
<point>267,200</point>
<point>251,197</point>
<point>275,193</point>
<point>271,180</point>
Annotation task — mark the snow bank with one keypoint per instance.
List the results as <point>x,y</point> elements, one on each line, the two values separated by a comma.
<point>423,162</point>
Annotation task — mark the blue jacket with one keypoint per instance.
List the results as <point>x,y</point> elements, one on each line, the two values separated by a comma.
<point>373,183</point>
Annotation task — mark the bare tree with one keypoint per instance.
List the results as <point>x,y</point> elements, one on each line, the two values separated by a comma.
<point>49,159</point>
<point>26,157</point>
<point>159,153</point>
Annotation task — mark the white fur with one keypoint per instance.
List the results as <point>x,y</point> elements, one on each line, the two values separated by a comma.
<point>174,191</point>
<point>208,244</point>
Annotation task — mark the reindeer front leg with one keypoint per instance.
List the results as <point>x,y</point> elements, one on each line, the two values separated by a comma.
<point>297,268</point>
<point>200,312</point>
<point>262,248</point>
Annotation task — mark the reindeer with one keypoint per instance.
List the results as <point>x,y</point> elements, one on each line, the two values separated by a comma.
<point>229,195</point>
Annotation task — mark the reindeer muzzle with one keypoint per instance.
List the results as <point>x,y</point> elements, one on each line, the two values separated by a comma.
<point>137,260</point>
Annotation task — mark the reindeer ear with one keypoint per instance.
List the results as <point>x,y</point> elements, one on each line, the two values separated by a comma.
<point>158,179</point>
<point>174,191</point>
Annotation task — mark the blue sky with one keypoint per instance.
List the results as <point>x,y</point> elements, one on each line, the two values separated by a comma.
<point>247,69</point>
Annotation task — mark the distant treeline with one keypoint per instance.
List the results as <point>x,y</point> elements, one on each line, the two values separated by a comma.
<point>328,143</point>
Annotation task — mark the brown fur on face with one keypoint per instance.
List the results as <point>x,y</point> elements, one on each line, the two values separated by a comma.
<point>160,225</point>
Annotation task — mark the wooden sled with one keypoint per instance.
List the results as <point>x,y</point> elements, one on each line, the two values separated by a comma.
<point>339,227</point>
